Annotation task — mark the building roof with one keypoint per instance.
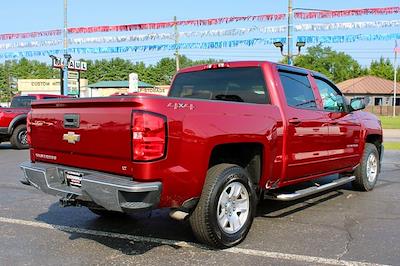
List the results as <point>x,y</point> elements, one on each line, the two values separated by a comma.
<point>117,84</point>
<point>366,85</point>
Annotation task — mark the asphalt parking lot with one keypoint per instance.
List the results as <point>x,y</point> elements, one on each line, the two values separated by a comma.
<point>340,227</point>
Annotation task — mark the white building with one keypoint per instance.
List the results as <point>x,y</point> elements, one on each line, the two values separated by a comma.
<point>50,86</point>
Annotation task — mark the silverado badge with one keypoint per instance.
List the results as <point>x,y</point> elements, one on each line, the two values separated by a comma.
<point>71,137</point>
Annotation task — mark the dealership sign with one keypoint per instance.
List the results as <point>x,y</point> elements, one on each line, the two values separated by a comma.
<point>72,64</point>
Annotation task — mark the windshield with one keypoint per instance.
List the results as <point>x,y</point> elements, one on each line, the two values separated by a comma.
<point>243,84</point>
<point>22,101</point>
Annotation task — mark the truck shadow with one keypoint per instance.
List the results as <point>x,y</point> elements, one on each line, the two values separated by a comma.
<point>280,209</point>
<point>130,234</point>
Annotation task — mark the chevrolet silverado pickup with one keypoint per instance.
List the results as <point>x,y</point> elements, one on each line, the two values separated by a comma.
<point>13,119</point>
<point>228,135</point>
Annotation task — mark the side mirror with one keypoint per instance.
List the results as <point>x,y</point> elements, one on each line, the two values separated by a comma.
<point>358,104</point>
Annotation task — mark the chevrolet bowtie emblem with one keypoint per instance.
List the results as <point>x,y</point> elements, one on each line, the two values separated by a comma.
<point>71,137</point>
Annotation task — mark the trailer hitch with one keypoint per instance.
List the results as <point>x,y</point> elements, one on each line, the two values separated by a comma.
<point>69,201</point>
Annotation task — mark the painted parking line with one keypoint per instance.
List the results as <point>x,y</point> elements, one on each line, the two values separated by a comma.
<point>184,244</point>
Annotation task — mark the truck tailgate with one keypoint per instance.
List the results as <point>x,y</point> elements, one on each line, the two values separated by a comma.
<point>83,128</point>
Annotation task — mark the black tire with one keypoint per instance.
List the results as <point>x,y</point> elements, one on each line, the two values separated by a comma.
<point>106,213</point>
<point>18,138</point>
<point>204,221</point>
<point>362,182</point>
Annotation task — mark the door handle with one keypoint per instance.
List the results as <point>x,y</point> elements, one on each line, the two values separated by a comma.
<point>71,121</point>
<point>294,121</point>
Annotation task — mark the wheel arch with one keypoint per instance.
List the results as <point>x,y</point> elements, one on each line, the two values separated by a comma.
<point>377,140</point>
<point>18,120</point>
<point>248,155</point>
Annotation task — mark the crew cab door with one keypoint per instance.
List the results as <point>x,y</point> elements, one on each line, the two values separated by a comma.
<point>344,127</point>
<point>307,130</point>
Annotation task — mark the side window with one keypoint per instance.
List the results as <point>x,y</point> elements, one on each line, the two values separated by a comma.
<point>298,91</point>
<point>331,97</point>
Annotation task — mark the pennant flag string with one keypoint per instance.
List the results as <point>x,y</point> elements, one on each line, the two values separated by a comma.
<point>208,33</point>
<point>203,45</point>
<point>161,25</point>
<point>207,22</point>
<point>347,12</point>
<point>348,38</point>
<point>26,35</point>
<point>144,48</point>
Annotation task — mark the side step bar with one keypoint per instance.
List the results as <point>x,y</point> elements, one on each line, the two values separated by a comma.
<point>311,190</point>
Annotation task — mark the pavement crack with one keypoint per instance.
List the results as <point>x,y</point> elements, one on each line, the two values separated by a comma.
<point>349,222</point>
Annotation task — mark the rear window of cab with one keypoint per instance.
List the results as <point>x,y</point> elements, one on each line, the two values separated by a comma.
<point>239,84</point>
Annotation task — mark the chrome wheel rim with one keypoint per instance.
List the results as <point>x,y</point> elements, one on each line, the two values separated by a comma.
<point>233,207</point>
<point>372,167</point>
<point>22,136</point>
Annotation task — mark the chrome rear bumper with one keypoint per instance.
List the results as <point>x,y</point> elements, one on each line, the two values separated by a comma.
<point>112,192</point>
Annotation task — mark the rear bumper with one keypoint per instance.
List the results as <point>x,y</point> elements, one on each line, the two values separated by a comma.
<point>112,192</point>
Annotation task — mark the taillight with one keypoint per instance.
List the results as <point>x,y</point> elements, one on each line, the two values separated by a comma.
<point>29,127</point>
<point>148,136</point>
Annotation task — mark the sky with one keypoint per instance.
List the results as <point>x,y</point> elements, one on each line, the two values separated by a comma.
<point>26,16</point>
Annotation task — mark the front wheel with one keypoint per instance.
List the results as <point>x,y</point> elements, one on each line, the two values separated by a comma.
<point>367,172</point>
<point>19,138</point>
<point>226,208</point>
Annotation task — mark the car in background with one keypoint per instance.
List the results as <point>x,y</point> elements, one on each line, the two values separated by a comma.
<point>13,119</point>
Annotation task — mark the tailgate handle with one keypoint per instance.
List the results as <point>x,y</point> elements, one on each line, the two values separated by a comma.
<point>71,121</point>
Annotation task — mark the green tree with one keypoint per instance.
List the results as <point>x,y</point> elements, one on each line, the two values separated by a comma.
<point>337,66</point>
<point>22,69</point>
<point>383,68</point>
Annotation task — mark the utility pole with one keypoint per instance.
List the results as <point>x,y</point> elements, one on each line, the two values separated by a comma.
<point>290,35</point>
<point>176,43</point>
<point>395,79</point>
<point>67,57</point>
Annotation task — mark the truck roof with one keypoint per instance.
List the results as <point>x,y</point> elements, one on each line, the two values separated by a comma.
<point>243,64</point>
<point>47,95</point>
<point>231,64</point>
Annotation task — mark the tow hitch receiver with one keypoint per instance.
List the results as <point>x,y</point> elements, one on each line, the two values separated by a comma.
<point>69,201</point>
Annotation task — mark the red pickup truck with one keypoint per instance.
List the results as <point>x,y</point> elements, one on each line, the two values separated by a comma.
<point>13,119</point>
<point>228,135</point>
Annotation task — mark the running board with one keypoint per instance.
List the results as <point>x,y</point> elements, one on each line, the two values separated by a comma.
<point>309,191</point>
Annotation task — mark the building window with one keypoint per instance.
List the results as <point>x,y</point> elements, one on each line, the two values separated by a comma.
<point>397,101</point>
<point>378,101</point>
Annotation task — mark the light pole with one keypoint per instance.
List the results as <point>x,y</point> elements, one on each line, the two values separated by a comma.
<point>289,36</point>
<point>67,56</point>
<point>396,49</point>
<point>290,55</point>
<point>290,33</point>
<point>176,43</point>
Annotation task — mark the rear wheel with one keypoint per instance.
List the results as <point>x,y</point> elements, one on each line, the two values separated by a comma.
<point>226,209</point>
<point>19,138</point>
<point>367,172</point>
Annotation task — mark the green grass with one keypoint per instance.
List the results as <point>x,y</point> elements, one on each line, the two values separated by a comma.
<point>392,145</point>
<point>390,122</point>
